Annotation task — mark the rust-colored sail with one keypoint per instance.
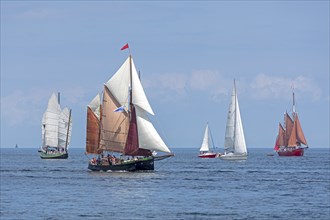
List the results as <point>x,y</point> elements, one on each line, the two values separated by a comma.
<point>288,128</point>
<point>132,143</point>
<point>114,124</point>
<point>93,133</point>
<point>300,134</point>
<point>297,136</point>
<point>280,138</point>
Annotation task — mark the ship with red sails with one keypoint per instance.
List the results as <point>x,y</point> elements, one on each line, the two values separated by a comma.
<point>119,131</point>
<point>291,140</point>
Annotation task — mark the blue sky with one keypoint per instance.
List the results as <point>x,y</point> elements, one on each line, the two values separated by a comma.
<point>188,54</point>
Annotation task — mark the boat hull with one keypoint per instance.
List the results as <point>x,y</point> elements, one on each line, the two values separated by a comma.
<point>141,164</point>
<point>292,153</point>
<point>208,155</point>
<point>231,156</point>
<point>58,155</point>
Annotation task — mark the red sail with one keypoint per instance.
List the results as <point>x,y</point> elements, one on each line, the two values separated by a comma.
<point>132,143</point>
<point>93,133</point>
<point>300,134</point>
<point>280,141</point>
<point>288,128</point>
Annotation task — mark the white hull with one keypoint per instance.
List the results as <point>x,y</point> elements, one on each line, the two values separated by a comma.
<point>233,156</point>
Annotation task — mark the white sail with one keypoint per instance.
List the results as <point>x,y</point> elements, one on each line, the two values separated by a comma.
<point>64,129</point>
<point>239,145</point>
<point>230,126</point>
<point>95,104</point>
<point>148,136</point>
<point>119,86</point>
<point>234,137</point>
<point>205,144</point>
<point>50,123</point>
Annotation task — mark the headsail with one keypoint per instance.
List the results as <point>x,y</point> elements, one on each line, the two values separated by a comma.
<point>205,144</point>
<point>297,136</point>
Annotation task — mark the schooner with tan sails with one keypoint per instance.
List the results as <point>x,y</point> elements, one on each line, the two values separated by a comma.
<point>290,137</point>
<point>119,124</point>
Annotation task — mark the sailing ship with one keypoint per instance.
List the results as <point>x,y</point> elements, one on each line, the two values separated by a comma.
<point>290,136</point>
<point>56,130</point>
<point>235,146</point>
<point>204,151</point>
<point>119,125</point>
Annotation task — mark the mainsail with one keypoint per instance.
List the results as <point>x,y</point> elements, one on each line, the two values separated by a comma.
<point>124,124</point>
<point>234,136</point>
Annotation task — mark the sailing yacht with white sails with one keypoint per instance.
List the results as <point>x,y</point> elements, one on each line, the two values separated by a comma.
<point>205,151</point>
<point>235,146</point>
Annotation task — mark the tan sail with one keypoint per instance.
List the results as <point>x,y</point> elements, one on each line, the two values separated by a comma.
<point>93,133</point>
<point>297,136</point>
<point>114,124</point>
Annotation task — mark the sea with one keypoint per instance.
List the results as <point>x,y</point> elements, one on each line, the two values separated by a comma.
<point>181,187</point>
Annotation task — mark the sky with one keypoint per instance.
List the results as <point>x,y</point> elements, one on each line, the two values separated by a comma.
<point>188,54</point>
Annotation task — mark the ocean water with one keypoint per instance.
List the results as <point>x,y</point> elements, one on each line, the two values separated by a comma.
<point>182,187</point>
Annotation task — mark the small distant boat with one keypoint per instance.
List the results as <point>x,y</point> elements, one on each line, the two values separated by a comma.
<point>270,154</point>
<point>119,130</point>
<point>235,147</point>
<point>56,130</point>
<point>16,146</point>
<point>290,136</point>
<point>204,151</point>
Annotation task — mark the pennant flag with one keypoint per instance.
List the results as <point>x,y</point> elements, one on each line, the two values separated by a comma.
<point>120,109</point>
<point>124,47</point>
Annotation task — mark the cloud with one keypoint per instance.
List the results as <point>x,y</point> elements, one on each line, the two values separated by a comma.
<point>273,87</point>
<point>36,13</point>
<point>28,106</point>
<point>176,86</point>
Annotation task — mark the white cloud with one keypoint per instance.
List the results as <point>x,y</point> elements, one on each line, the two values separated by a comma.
<point>36,13</point>
<point>28,106</point>
<point>267,87</point>
<point>176,86</point>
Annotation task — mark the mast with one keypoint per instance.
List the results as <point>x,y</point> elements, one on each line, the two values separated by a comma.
<point>235,119</point>
<point>293,106</point>
<point>67,133</point>
<point>131,86</point>
<point>58,98</point>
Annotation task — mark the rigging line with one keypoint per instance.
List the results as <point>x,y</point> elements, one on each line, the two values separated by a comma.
<point>212,138</point>
<point>165,162</point>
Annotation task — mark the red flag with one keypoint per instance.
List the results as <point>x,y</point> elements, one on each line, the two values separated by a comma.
<point>124,47</point>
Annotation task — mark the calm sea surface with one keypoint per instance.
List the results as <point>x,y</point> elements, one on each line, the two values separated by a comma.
<point>182,187</point>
